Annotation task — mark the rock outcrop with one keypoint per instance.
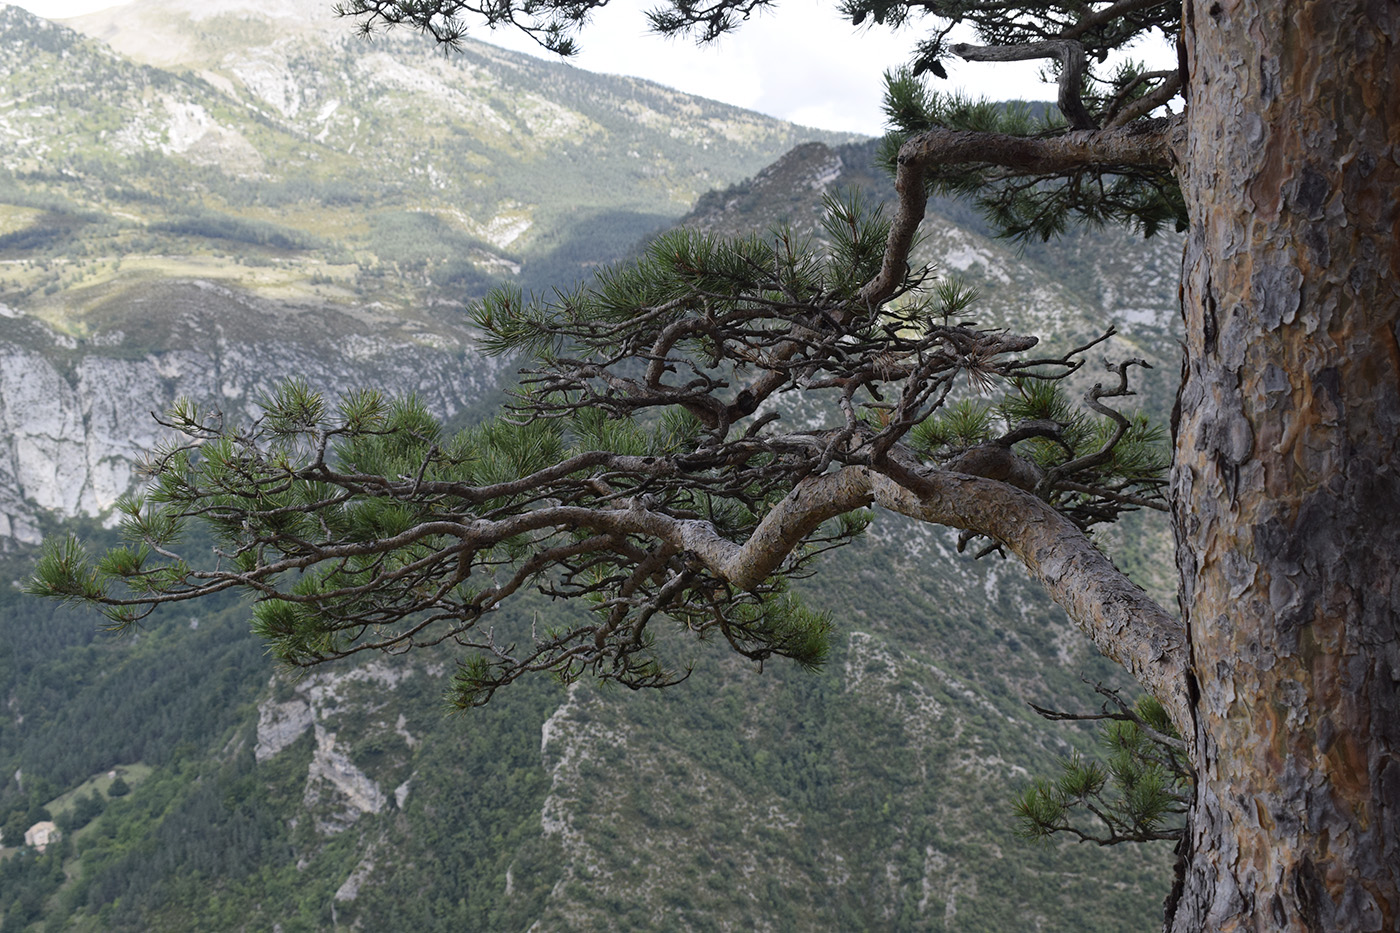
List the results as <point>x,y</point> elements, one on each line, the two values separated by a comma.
<point>78,414</point>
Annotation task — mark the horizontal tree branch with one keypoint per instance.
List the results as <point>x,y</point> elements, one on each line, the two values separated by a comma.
<point>1072,65</point>
<point>1147,144</point>
<point>1121,619</point>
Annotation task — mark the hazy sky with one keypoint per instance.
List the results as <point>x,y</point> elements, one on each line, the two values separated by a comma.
<point>802,62</point>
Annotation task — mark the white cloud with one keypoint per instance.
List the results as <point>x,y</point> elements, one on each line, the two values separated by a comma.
<point>801,61</point>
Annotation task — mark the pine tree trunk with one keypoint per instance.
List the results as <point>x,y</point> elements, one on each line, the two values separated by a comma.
<point>1287,477</point>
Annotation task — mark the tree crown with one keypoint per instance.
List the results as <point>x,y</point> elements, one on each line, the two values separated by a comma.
<point>696,428</point>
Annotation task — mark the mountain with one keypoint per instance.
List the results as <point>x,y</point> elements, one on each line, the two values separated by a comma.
<point>77,413</point>
<point>873,795</point>
<point>288,167</point>
<point>283,140</point>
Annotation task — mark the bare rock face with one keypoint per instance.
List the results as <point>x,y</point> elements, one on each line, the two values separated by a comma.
<point>350,888</point>
<point>327,703</point>
<point>336,791</point>
<point>77,415</point>
<point>281,724</point>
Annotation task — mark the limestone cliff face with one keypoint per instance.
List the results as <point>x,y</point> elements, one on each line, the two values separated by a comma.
<point>77,414</point>
<point>336,705</point>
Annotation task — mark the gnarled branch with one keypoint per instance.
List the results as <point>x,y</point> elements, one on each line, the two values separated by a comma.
<point>1070,55</point>
<point>1122,620</point>
<point>1148,143</point>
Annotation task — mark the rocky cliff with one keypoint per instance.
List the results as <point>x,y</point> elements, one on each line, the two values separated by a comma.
<point>77,413</point>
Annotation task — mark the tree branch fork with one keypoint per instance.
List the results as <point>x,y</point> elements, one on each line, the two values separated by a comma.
<point>1117,615</point>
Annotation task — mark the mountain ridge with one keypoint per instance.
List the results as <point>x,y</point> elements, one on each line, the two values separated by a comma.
<point>120,181</point>
<point>292,143</point>
<point>869,796</point>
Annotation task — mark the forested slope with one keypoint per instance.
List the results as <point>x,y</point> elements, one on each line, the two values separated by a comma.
<point>873,795</point>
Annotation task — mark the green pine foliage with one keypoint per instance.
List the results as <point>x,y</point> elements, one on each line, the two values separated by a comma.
<point>1141,455</point>
<point>1138,792</point>
<point>682,270</point>
<point>1015,205</point>
<point>358,522</point>
<point>264,485</point>
<point>1102,467</point>
<point>965,424</point>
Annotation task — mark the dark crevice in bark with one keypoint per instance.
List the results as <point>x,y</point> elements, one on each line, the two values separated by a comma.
<point>1179,867</point>
<point>1210,328</point>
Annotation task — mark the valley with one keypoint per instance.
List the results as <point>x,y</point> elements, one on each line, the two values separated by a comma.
<point>202,205</point>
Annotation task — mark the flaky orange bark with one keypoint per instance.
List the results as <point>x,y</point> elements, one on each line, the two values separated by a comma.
<point>1287,476</point>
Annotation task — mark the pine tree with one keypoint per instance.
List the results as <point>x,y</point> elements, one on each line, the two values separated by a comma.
<point>646,467</point>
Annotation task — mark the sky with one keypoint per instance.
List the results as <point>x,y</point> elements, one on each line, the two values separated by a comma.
<point>801,62</point>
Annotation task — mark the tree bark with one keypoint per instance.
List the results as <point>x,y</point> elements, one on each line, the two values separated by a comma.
<point>1287,476</point>
<point>1122,621</point>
